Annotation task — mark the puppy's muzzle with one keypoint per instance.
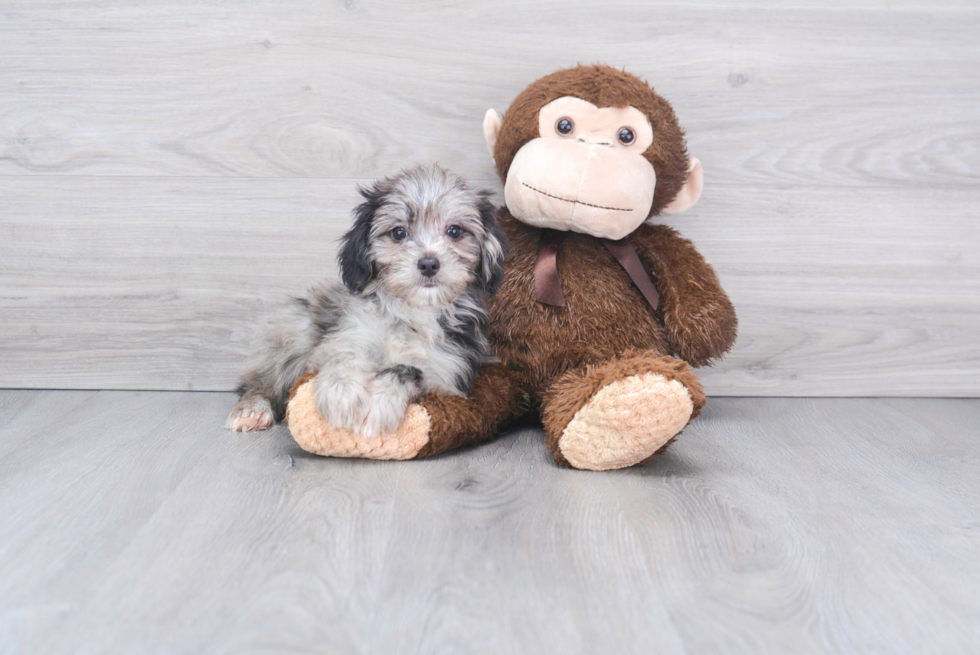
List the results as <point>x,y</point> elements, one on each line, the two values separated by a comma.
<point>428,266</point>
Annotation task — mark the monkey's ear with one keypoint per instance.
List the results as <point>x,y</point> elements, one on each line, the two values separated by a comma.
<point>495,246</point>
<point>691,191</point>
<point>356,265</point>
<point>491,128</point>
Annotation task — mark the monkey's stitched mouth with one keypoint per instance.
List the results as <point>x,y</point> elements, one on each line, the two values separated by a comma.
<point>574,202</point>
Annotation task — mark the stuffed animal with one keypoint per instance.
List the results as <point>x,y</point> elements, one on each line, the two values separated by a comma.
<point>602,312</point>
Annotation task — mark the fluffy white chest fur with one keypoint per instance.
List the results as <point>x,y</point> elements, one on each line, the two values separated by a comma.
<point>379,332</point>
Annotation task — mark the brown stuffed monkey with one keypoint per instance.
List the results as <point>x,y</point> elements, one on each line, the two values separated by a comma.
<point>601,313</point>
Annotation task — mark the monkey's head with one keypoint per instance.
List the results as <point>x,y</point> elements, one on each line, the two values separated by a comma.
<point>594,150</point>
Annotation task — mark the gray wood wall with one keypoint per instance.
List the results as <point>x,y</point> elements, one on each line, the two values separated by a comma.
<point>167,169</point>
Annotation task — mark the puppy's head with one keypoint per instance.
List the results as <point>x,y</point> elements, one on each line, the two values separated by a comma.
<point>425,236</point>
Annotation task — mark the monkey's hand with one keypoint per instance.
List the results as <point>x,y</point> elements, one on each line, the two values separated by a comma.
<point>433,425</point>
<point>699,318</point>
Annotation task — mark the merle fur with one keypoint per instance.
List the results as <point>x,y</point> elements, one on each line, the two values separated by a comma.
<point>491,274</point>
<point>356,266</point>
<point>308,323</point>
<point>404,374</point>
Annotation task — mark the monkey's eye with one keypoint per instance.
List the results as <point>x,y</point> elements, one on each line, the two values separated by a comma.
<point>626,136</point>
<point>564,126</point>
<point>399,234</point>
<point>454,231</point>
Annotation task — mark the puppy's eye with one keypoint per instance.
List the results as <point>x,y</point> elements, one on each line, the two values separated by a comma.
<point>454,231</point>
<point>564,126</point>
<point>399,234</point>
<point>626,136</point>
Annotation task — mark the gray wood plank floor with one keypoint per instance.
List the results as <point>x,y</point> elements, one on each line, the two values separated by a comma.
<point>131,522</point>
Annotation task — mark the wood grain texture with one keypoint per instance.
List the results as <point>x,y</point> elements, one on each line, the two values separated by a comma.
<point>161,283</point>
<point>842,96</point>
<point>169,169</point>
<point>131,522</point>
<point>943,415</point>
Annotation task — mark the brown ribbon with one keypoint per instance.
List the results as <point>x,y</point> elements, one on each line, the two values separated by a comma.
<point>624,253</point>
<point>547,284</point>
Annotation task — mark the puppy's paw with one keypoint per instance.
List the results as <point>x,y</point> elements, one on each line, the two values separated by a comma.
<point>344,403</point>
<point>249,415</point>
<point>384,416</point>
<point>407,378</point>
<point>393,389</point>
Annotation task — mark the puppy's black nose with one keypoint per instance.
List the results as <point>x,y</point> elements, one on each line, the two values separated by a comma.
<point>429,266</point>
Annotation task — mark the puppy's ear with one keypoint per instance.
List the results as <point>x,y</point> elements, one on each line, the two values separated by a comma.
<point>495,246</point>
<point>356,265</point>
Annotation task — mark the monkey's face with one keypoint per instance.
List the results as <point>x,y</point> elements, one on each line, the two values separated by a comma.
<point>603,153</point>
<point>585,172</point>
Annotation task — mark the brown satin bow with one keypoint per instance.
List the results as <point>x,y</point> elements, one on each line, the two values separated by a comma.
<point>547,284</point>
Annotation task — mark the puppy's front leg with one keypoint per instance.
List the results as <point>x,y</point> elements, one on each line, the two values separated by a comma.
<point>391,392</point>
<point>342,396</point>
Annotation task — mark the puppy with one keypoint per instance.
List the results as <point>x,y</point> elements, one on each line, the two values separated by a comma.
<point>418,265</point>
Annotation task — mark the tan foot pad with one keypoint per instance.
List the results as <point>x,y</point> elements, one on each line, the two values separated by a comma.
<point>313,435</point>
<point>625,422</point>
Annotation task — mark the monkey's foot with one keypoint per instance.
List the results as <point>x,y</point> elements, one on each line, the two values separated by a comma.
<point>620,412</point>
<point>249,415</point>
<point>313,435</point>
<point>626,422</point>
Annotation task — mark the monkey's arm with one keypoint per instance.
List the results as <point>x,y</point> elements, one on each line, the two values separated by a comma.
<point>434,425</point>
<point>699,318</point>
<point>497,398</point>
